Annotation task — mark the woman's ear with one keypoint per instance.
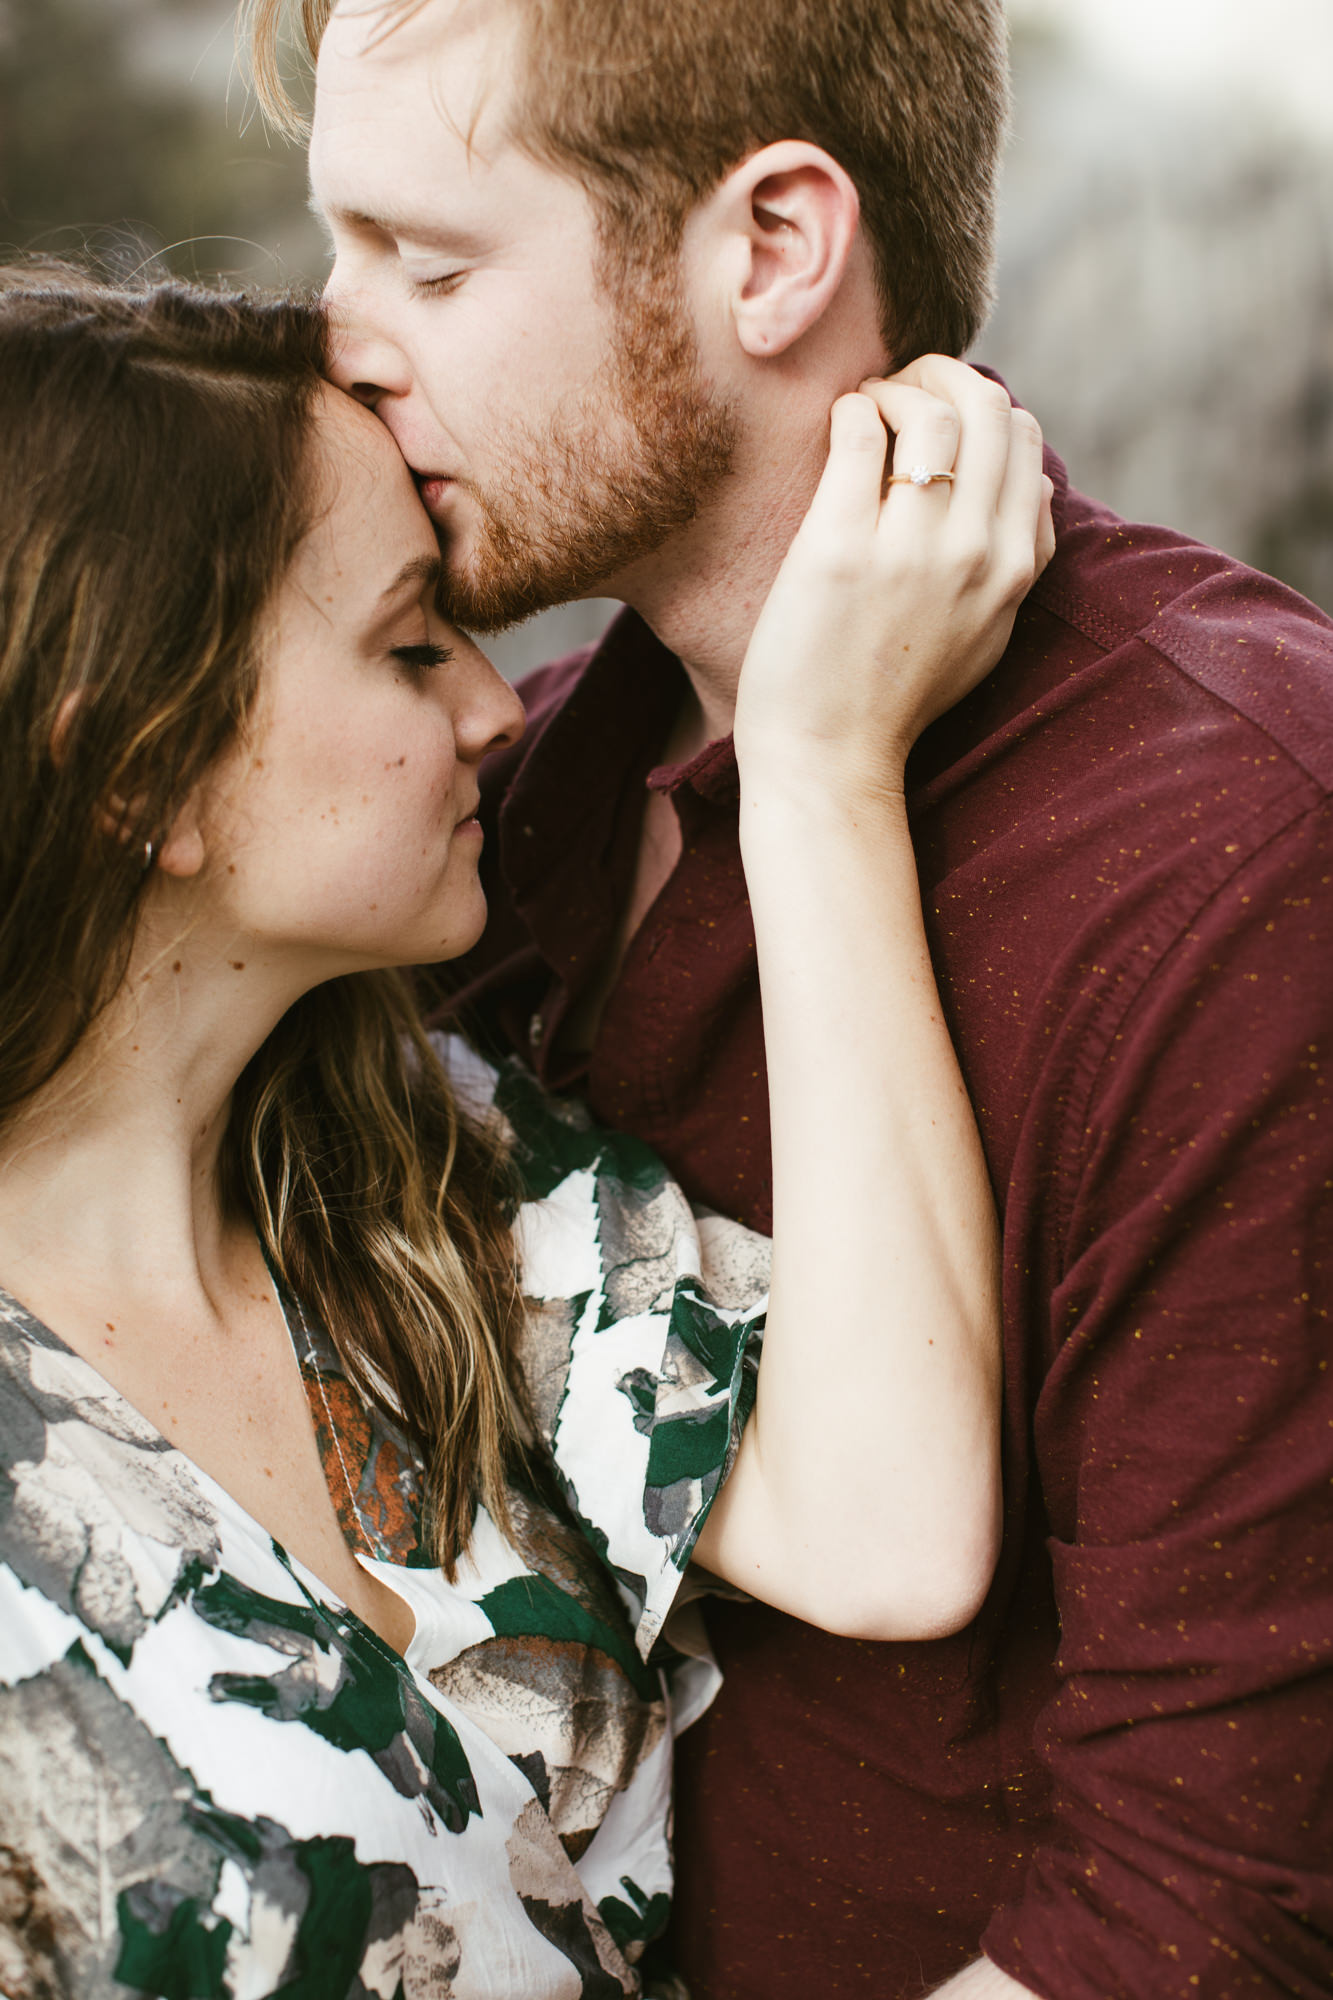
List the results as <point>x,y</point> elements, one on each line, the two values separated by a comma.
<point>180,853</point>
<point>783,225</point>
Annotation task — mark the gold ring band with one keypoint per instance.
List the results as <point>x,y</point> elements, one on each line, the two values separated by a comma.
<point>920,475</point>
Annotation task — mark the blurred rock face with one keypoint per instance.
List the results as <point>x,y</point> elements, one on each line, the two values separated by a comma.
<point>1166,309</point>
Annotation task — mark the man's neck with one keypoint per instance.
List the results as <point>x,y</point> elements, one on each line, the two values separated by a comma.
<point>703,593</point>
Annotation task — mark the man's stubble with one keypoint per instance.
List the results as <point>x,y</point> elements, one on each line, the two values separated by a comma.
<point>595,489</point>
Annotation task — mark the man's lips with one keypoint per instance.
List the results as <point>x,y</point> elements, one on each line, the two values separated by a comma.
<point>433,487</point>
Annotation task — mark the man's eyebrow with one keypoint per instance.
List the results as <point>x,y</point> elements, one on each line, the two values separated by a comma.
<point>424,572</point>
<point>388,223</point>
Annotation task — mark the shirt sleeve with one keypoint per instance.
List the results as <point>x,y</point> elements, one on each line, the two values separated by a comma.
<point>641,1337</point>
<point>1185,1438</point>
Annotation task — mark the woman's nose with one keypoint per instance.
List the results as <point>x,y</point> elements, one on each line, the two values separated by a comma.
<point>489,715</point>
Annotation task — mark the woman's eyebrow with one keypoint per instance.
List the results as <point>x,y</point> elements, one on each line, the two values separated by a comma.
<point>420,571</point>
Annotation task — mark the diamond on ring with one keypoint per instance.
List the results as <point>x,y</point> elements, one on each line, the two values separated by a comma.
<point>921,475</point>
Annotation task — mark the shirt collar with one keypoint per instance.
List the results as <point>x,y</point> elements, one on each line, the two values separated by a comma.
<point>600,746</point>
<point>587,766</point>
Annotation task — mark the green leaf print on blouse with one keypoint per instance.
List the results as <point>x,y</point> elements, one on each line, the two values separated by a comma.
<point>130,1873</point>
<point>368,1702</point>
<point>693,1414</point>
<point>335,1908</point>
<point>653,1259</point>
<point>533,1606</point>
<point>560,1688</point>
<point>637,1920</point>
<point>555,1138</point>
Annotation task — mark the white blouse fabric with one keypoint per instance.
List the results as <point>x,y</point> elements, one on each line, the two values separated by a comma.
<point>216,1781</point>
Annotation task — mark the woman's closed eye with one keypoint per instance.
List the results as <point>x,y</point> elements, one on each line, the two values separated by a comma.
<point>421,658</point>
<point>440,287</point>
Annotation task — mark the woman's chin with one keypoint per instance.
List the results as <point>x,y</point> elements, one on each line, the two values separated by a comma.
<point>463,932</point>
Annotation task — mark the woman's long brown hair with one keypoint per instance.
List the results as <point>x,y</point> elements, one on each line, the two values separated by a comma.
<point>154,485</point>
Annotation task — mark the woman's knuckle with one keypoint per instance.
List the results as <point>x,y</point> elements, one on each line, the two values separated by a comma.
<point>971,558</point>
<point>1019,577</point>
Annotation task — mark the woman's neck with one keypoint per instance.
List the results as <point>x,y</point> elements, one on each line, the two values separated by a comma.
<point>109,1178</point>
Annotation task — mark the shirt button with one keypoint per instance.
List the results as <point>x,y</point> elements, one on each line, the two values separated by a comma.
<point>536,1030</point>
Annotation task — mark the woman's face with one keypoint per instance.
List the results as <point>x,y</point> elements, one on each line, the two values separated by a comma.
<point>340,834</point>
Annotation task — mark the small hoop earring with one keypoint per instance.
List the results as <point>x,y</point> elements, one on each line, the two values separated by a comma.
<point>148,853</point>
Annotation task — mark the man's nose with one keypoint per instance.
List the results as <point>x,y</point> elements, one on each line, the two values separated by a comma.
<point>364,360</point>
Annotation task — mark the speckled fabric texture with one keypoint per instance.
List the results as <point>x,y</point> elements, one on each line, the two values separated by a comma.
<point>1120,1776</point>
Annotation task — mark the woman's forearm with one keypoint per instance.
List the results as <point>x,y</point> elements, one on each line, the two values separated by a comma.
<point>866,1495</point>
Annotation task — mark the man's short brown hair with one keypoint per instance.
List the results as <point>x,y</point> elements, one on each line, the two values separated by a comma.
<point>650,103</point>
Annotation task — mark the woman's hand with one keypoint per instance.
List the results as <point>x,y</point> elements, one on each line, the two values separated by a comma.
<point>893,602</point>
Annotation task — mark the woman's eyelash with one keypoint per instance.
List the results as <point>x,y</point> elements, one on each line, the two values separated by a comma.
<point>423,656</point>
<point>442,284</point>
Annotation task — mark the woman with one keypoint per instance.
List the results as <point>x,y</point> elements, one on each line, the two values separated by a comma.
<point>316,1538</point>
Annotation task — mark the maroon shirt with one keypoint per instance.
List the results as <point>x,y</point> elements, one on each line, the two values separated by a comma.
<point>1119,1777</point>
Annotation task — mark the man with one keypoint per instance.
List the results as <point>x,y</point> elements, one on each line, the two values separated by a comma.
<point>602,270</point>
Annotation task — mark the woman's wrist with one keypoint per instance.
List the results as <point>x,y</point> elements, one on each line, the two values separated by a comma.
<point>821,785</point>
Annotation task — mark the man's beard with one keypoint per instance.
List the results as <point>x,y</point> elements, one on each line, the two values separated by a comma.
<point>585,496</point>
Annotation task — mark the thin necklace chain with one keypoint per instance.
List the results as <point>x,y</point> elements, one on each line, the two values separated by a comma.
<point>311,1360</point>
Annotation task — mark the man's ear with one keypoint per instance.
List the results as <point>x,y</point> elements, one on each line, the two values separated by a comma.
<point>784,224</point>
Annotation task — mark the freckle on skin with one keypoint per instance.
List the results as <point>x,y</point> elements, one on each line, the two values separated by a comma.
<point>177,966</point>
<point>238,965</point>
<point>111,1326</point>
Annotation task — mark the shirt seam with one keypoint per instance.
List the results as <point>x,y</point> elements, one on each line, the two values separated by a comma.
<point>1084,616</point>
<point>1183,657</point>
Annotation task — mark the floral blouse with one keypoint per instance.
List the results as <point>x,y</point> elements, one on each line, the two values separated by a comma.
<point>215,1780</point>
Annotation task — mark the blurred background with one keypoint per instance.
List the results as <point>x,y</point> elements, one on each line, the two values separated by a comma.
<point>1166,274</point>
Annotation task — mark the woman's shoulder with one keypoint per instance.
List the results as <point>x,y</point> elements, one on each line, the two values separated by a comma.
<point>638,1214</point>
<point>639,1339</point>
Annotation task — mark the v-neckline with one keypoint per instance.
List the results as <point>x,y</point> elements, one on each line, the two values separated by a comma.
<point>28,1326</point>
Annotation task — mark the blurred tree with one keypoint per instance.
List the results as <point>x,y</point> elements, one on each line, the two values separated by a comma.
<point>1166,300</point>
<point>106,140</point>
<point>1166,265</point>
